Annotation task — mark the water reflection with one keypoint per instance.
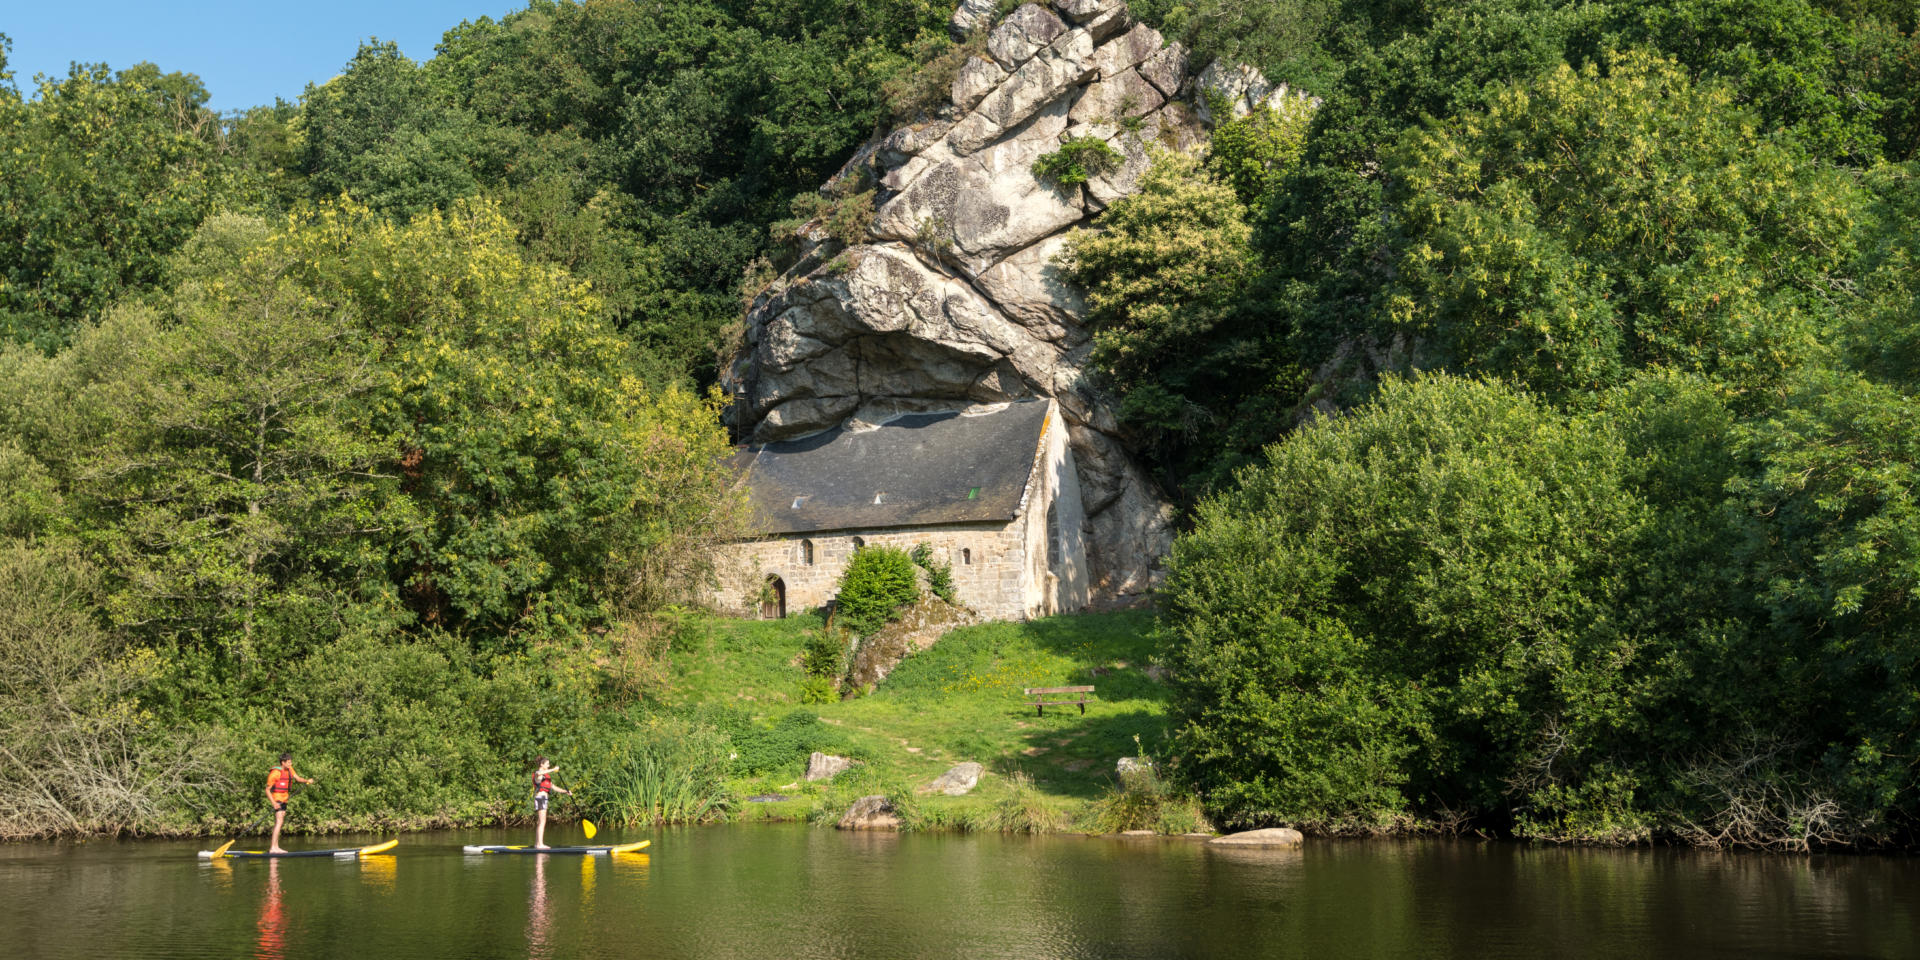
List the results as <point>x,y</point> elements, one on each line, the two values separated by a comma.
<point>377,871</point>
<point>539,921</point>
<point>776,891</point>
<point>272,943</point>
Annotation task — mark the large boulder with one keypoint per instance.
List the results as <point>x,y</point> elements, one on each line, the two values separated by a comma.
<point>969,16</point>
<point>958,780</point>
<point>825,766</point>
<point>870,813</point>
<point>1025,32</point>
<point>958,298</point>
<point>1269,837</point>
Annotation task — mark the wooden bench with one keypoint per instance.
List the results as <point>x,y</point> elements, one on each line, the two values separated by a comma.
<point>1040,697</point>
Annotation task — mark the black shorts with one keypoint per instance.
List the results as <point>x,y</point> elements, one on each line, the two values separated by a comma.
<point>539,801</point>
<point>279,805</point>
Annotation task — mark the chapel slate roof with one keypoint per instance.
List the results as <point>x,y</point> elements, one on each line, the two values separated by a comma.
<point>925,468</point>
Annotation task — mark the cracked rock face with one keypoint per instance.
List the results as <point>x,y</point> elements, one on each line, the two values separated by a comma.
<point>957,298</point>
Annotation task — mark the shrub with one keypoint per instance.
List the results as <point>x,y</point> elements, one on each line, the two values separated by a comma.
<point>939,575</point>
<point>1409,601</point>
<point>825,654</point>
<point>929,87</point>
<point>1253,153</point>
<point>845,219</point>
<point>877,583</point>
<point>78,752</point>
<point>1143,800</point>
<point>1077,161</point>
<point>818,690</point>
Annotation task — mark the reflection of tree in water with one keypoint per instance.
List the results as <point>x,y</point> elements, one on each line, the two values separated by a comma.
<point>539,922</point>
<point>273,920</point>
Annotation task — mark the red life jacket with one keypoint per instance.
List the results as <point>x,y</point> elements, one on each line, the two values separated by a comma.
<point>543,782</point>
<point>279,782</point>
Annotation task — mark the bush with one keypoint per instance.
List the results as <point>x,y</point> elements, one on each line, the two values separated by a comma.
<point>1024,809</point>
<point>70,725</point>
<point>1413,601</point>
<point>939,575</point>
<point>1077,161</point>
<point>818,690</point>
<point>877,583</point>
<point>825,655</point>
<point>1255,152</point>
<point>1144,801</point>
<point>929,87</point>
<point>784,746</point>
<point>845,219</point>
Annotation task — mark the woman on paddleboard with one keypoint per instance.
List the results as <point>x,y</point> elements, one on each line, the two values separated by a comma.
<point>542,789</point>
<point>279,787</point>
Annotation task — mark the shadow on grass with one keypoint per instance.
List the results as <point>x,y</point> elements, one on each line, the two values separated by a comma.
<point>1070,755</point>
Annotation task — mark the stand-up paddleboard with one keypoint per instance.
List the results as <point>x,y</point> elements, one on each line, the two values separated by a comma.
<point>590,851</point>
<point>342,852</point>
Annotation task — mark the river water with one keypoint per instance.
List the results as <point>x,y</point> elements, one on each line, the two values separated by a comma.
<point>780,891</point>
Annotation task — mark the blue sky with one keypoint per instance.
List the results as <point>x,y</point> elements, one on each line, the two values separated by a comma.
<point>245,52</point>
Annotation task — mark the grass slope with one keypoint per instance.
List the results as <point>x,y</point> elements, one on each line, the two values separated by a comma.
<point>959,700</point>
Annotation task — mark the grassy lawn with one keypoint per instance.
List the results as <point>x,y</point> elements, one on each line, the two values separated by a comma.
<point>957,701</point>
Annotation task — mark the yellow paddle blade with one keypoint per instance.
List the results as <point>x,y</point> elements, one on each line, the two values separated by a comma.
<point>221,851</point>
<point>591,829</point>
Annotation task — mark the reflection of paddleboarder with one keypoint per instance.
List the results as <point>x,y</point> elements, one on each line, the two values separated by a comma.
<point>273,923</point>
<point>279,787</point>
<point>542,789</point>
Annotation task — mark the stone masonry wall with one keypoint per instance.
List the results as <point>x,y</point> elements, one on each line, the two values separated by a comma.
<point>989,566</point>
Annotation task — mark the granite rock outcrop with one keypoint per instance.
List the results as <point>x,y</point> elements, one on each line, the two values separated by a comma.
<point>955,296</point>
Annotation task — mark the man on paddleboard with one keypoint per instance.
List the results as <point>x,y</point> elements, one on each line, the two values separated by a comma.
<point>280,786</point>
<point>542,789</point>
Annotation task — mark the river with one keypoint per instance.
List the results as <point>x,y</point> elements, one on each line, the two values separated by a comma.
<point>761,892</point>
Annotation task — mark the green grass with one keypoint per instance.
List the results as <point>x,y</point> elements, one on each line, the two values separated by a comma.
<point>957,701</point>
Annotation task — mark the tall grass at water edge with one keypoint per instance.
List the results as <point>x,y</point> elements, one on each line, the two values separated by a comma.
<point>666,770</point>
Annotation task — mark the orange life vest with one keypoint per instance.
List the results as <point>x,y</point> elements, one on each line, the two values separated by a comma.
<point>279,782</point>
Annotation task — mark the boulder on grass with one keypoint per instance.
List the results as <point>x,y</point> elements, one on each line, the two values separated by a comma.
<point>870,813</point>
<point>823,766</point>
<point>957,781</point>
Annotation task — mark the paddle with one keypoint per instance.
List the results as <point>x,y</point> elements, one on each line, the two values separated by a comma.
<point>222,850</point>
<point>589,827</point>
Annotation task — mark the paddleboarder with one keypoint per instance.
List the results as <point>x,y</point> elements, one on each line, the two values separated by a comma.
<point>279,787</point>
<point>542,789</point>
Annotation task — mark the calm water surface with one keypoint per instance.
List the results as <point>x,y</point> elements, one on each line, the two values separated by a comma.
<point>761,892</point>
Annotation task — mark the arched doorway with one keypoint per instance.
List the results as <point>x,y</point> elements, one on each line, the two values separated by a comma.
<point>773,600</point>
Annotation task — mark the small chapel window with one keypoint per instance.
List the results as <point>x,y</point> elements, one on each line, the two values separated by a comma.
<point>966,556</point>
<point>806,552</point>
<point>858,543</point>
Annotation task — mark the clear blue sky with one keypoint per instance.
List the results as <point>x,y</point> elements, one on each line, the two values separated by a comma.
<point>246,53</point>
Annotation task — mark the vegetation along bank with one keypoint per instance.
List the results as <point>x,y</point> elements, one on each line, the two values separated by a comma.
<point>1537,412</point>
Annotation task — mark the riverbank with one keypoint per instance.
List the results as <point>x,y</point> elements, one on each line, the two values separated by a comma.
<point>702,720</point>
<point>959,701</point>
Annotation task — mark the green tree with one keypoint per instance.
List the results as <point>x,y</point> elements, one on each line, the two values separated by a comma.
<point>1167,275</point>
<point>550,463</point>
<point>1586,225</point>
<point>238,500</point>
<point>1402,608</point>
<point>102,176</point>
